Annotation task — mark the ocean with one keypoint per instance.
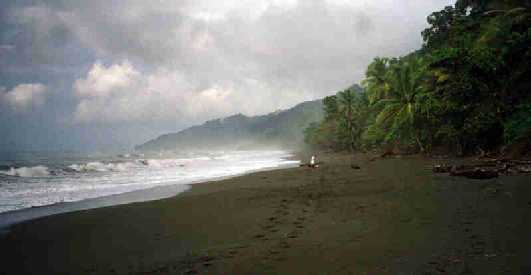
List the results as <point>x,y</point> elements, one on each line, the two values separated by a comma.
<point>36,179</point>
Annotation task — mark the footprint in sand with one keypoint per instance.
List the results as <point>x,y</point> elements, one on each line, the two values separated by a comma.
<point>234,251</point>
<point>230,254</point>
<point>206,259</point>
<point>292,235</point>
<point>268,226</point>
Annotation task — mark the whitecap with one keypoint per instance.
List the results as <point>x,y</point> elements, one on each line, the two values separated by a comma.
<point>97,166</point>
<point>27,172</point>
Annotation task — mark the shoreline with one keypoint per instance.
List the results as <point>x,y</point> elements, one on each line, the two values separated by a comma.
<point>11,218</point>
<point>392,216</point>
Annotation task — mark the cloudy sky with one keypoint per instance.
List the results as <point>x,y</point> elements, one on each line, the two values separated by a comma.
<point>91,75</point>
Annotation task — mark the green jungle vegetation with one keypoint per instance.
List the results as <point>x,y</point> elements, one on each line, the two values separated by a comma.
<point>467,90</point>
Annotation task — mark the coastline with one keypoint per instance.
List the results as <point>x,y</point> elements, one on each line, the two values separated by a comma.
<point>10,218</point>
<point>393,216</point>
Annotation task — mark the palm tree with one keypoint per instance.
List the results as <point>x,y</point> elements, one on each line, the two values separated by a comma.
<point>353,107</point>
<point>375,79</point>
<point>402,104</point>
<point>346,108</point>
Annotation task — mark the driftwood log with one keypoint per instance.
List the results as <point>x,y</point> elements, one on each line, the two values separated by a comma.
<point>491,168</point>
<point>442,168</point>
<point>476,173</point>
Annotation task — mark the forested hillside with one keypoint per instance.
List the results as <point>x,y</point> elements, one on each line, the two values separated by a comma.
<point>282,128</point>
<point>467,90</point>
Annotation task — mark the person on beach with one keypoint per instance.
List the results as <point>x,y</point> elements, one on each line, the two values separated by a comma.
<point>313,163</point>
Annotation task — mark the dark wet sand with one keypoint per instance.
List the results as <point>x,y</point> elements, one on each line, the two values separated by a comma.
<point>392,216</point>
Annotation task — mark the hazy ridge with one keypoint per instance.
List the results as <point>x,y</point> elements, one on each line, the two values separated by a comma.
<point>282,128</point>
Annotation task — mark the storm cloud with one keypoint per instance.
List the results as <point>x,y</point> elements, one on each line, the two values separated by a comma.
<point>173,63</point>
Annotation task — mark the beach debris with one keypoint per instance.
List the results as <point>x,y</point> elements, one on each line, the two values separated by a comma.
<point>442,168</point>
<point>476,173</point>
<point>491,168</point>
<point>355,166</point>
<point>524,169</point>
<point>387,153</point>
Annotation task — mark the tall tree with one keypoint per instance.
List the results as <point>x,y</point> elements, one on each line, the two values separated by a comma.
<point>374,83</point>
<point>346,109</point>
<point>401,109</point>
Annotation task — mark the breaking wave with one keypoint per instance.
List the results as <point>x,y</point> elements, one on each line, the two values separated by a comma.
<point>27,184</point>
<point>97,166</point>
<point>90,167</point>
<point>27,172</point>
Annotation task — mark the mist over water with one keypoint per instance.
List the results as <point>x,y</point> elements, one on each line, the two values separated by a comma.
<point>39,179</point>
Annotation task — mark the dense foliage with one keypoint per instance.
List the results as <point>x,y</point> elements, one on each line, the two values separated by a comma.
<point>466,90</point>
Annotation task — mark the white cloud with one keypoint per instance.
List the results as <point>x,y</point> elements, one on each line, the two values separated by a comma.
<point>120,93</point>
<point>102,81</point>
<point>198,59</point>
<point>24,96</point>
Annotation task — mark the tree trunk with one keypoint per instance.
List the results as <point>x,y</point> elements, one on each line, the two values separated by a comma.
<point>419,143</point>
<point>351,136</point>
<point>349,128</point>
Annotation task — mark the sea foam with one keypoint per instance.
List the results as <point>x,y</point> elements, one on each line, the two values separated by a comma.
<point>97,166</point>
<point>27,172</point>
<point>69,180</point>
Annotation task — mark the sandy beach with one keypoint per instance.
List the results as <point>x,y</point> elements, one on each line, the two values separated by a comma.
<point>392,216</point>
